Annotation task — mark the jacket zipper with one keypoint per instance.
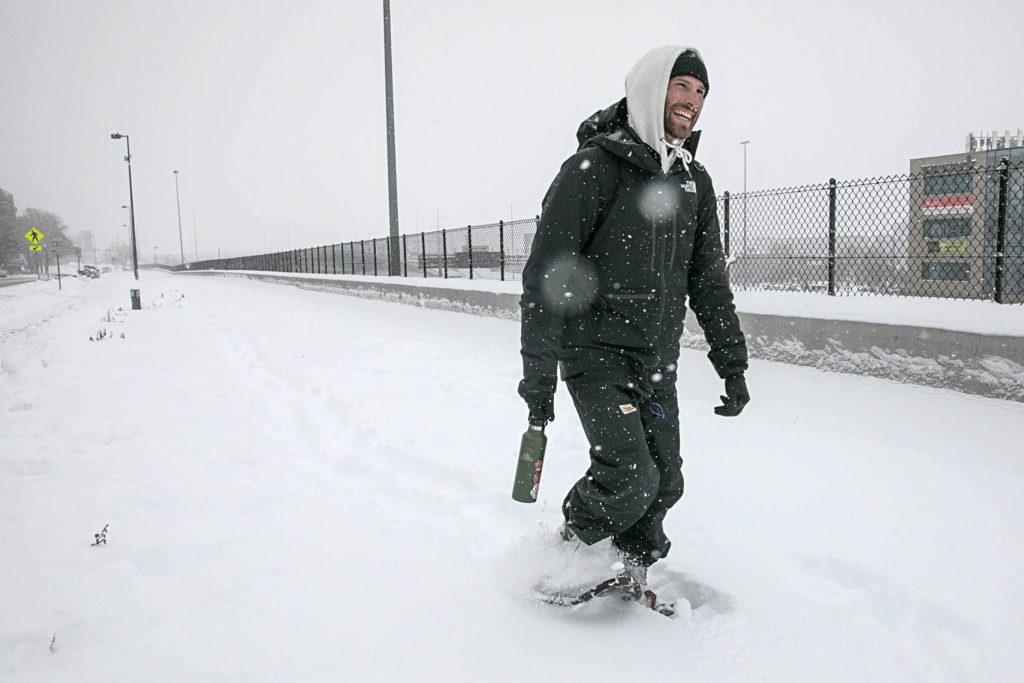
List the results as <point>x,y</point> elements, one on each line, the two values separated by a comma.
<point>664,284</point>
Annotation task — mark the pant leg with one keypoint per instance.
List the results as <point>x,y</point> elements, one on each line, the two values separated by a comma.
<point>645,541</point>
<point>623,479</point>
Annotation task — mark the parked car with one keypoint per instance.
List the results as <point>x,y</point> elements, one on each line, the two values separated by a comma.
<point>90,271</point>
<point>3,272</point>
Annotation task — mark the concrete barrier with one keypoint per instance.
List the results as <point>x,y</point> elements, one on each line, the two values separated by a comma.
<point>987,365</point>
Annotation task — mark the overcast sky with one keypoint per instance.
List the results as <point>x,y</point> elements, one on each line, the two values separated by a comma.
<point>274,112</point>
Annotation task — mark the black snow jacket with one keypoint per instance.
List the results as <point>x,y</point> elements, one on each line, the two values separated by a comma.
<point>620,247</point>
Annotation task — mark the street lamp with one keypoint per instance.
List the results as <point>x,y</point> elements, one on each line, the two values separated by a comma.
<point>136,300</point>
<point>177,197</point>
<point>745,143</point>
<point>389,107</point>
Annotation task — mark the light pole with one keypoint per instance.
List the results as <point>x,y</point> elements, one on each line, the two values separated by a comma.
<point>745,143</point>
<point>195,234</point>
<point>389,105</point>
<point>177,197</point>
<point>136,299</point>
<point>125,225</point>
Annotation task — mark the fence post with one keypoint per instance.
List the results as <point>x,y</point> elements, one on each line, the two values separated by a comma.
<point>375,257</point>
<point>469,239</point>
<point>501,248</point>
<point>444,249</point>
<point>362,254</point>
<point>1004,177</point>
<point>390,266</point>
<point>423,251</point>
<point>831,236</point>
<point>405,256</point>
<point>725,221</point>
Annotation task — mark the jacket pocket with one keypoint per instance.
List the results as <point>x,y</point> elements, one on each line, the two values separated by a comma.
<point>629,320</point>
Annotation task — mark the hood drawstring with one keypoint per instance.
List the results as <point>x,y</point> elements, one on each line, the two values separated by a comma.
<point>677,152</point>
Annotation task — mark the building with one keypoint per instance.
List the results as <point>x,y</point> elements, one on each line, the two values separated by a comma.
<point>85,241</point>
<point>954,221</point>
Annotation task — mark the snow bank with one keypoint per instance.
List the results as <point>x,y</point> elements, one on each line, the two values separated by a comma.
<point>836,334</point>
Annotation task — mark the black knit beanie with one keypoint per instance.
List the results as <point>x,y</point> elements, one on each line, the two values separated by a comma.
<point>689,63</point>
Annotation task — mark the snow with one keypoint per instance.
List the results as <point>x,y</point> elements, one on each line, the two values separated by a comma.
<point>306,486</point>
<point>981,317</point>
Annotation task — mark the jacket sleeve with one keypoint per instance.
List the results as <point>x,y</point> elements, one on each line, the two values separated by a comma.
<point>710,296</point>
<point>570,210</point>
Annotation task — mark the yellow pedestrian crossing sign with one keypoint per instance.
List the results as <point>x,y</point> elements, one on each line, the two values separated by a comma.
<point>34,235</point>
<point>34,247</point>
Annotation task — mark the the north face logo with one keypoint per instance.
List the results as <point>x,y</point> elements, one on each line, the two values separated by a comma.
<point>690,186</point>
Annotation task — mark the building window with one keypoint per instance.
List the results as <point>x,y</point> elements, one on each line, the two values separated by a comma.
<point>947,183</point>
<point>947,226</point>
<point>946,271</point>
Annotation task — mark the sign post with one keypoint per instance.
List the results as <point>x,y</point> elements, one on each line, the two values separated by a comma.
<point>56,250</point>
<point>35,236</point>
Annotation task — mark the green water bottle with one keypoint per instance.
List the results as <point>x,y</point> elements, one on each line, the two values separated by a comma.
<point>530,464</point>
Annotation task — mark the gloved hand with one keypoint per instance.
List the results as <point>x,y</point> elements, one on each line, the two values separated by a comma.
<point>539,394</point>
<point>736,396</point>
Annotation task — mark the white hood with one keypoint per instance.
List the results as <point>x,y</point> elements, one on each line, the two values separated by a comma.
<point>646,88</point>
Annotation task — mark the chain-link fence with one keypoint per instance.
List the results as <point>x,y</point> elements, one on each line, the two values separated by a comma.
<point>951,230</point>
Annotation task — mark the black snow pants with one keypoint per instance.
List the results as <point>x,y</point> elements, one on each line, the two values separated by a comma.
<point>631,418</point>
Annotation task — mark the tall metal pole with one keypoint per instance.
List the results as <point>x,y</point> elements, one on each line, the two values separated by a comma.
<point>745,143</point>
<point>131,210</point>
<point>389,101</point>
<point>195,234</point>
<point>177,197</point>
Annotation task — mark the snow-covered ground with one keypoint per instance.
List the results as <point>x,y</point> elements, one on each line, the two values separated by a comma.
<point>306,486</point>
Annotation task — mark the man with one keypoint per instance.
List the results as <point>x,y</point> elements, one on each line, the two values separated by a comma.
<point>629,231</point>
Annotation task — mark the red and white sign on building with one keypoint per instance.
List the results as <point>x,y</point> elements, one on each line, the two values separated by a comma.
<point>953,205</point>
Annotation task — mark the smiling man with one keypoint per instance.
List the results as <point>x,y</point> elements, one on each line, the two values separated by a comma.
<point>628,236</point>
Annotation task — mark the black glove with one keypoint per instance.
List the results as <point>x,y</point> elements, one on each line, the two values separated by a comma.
<point>539,394</point>
<point>736,396</point>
